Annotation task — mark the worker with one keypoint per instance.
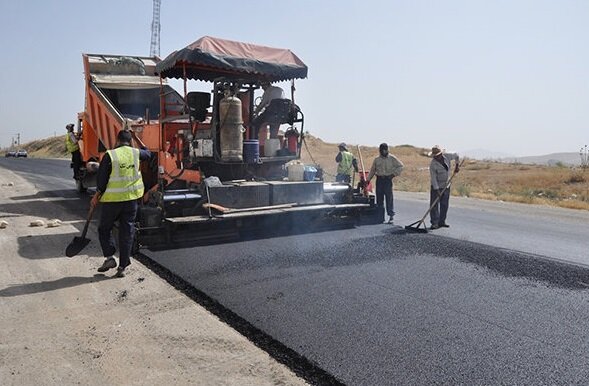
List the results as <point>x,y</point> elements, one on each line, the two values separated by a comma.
<point>72,146</point>
<point>119,186</point>
<point>439,173</point>
<point>261,113</point>
<point>386,167</point>
<point>345,163</point>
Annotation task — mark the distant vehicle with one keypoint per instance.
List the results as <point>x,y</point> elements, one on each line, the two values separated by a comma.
<point>10,154</point>
<point>22,153</point>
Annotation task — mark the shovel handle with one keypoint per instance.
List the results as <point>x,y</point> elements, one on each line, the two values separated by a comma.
<point>90,212</point>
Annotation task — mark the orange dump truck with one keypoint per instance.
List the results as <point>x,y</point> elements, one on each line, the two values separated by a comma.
<point>221,166</point>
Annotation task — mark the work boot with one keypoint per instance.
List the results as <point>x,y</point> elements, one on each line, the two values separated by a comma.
<point>444,225</point>
<point>434,226</point>
<point>390,222</point>
<point>108,264</point>
<point>120,272</point>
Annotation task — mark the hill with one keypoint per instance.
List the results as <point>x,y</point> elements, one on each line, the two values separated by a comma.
<point>557,184</point>
<point>53,147</point>
<point>552,159</point>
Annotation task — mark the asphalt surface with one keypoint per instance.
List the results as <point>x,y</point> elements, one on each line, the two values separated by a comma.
<point>487,301</point>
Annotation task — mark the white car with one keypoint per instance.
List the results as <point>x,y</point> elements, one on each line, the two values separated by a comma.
<point>22,153</point>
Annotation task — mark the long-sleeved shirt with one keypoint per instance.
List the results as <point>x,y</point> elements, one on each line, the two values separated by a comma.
<point>272,92</point>
<point>440,173</point>
<point>105,168</point>
<point>389,166</point>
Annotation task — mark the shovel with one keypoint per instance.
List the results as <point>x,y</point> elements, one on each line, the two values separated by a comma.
<point>79,243</point>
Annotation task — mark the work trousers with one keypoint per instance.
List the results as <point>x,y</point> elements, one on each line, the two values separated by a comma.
<point>440,210</point>
<point>265,118</point>
<point>123,212</point>
<point>384,192</point>
<point>345,178</point>
<point>76,162</point>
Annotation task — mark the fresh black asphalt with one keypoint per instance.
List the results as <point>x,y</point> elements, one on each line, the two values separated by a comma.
<point>376,305</point>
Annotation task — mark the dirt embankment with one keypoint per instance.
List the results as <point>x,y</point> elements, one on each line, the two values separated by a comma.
<point>53,147</point>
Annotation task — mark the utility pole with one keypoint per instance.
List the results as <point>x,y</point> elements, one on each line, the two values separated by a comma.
<point>584,153</point>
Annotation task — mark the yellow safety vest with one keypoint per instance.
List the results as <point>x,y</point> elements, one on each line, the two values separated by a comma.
<point>125,182</point>
<point>345,165</point>
<point>70,145</point>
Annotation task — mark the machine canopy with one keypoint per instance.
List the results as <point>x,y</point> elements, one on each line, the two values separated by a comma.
<point>210,58</point>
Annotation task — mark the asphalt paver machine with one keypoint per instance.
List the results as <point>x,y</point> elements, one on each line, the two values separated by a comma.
<point>218,169</point>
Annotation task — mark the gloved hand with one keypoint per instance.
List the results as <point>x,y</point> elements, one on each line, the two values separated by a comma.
<point>440,192</point>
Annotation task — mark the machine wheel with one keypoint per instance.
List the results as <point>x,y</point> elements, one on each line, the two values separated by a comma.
<point>80,186</point>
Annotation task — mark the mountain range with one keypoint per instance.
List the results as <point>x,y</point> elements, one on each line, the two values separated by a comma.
<point>568,158</point>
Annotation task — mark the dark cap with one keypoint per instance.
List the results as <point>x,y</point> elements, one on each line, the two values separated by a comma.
<point>124,136</point>
<point>383,146</point>
<point>342,145</point>
<point>69,126</point>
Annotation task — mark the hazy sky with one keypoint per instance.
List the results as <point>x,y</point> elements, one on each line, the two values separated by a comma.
<point>509,76</point>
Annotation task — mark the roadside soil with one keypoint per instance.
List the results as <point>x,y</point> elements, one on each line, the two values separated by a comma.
<point>63,323</point>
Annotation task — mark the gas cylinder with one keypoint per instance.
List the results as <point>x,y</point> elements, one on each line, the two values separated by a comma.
<point>292,138</point>
<point>231,129</point>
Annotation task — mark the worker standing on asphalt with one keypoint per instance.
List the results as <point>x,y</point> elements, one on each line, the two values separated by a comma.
<point>345,163</point>
<point>386,167</point>
<point>439,172</point>
<point>72,146</point>
<point>119,186</point>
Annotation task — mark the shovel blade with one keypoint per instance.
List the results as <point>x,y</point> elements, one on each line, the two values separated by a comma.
<point>76,246</point>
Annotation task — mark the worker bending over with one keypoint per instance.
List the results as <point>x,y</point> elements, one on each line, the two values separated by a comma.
<point>386,167</point>
<point>119,187</point>
<point>345,163</point>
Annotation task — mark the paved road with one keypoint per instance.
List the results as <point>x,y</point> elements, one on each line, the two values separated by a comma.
<point>484,302</point>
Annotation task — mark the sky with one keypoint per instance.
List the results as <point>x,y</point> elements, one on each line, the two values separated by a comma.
<point>507,76</point>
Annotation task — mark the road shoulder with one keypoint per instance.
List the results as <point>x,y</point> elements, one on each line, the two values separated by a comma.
<point>63,323</point>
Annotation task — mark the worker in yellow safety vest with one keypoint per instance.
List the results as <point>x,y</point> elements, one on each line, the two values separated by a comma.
<point>119,187</point>
<point>72,147</point>
<point>345,164</point>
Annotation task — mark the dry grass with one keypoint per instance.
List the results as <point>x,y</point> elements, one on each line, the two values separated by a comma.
<point>529,184</point>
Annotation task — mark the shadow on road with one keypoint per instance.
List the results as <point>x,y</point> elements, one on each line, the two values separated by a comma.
<point>45,246</point>
<point>64,193</point>
<point>69,209</point>
<point>46,286</point>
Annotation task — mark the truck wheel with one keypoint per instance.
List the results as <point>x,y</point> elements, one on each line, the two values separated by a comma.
<point>80,187</point>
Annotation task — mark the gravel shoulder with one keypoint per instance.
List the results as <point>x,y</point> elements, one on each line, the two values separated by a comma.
<point>62,323</point>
